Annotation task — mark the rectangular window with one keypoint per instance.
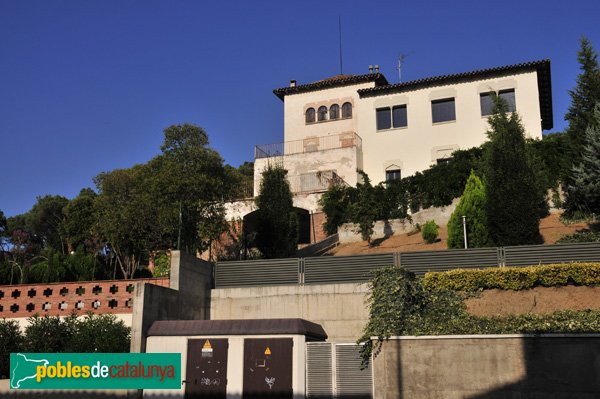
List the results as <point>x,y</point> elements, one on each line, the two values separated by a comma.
<point>443,161</point>
<point>391,117</point>
<point>443,110</point>
<point>383,118</point>
<point>399,117</point>
<point>487,101</point>
<point>509,97</point>
<point>392,175</point>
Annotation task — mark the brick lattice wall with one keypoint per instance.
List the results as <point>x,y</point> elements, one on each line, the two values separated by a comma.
<point>63,299</point>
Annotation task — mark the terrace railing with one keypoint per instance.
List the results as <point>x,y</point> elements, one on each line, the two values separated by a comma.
<point>308,144</point>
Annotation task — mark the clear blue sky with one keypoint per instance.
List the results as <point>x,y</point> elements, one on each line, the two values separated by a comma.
<point>88,86</point>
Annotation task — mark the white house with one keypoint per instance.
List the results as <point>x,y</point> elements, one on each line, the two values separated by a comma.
<point>338,125</point>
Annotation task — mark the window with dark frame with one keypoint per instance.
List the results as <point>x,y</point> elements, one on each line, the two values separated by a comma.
<point>443,110</point>
<point>384,118</point>
<point>334,112</point>
<point>322,114</point>
<point>392,175</point>
<point>309,115</point>
<point>391,117</point>
<point>347,110</point>
<point>487,101</point>
<point>399,116</point>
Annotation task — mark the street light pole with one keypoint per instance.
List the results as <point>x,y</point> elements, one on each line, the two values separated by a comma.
<point>464,219</point>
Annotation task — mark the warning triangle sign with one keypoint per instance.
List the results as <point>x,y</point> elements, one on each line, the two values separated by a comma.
<point>207,345</point>
<point>268,351</point>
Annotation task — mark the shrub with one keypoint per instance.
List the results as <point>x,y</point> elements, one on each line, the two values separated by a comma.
<point>472,206</point>
<point>585,236</point>
<point>11,340</point>
<point>514,278</point>
<point>101,333</point>
<point>401,304</point>
<point>429,231</point>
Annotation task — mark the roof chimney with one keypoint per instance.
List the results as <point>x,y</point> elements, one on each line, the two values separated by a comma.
<point>370,68</point>
<point>293,83</point>
<point>376,68</point>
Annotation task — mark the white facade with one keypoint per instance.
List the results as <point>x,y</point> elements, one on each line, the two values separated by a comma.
<point>419,144</point>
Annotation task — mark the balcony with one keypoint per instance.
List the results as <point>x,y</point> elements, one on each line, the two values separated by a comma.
<point>315,182</point>
<point>308,145</point>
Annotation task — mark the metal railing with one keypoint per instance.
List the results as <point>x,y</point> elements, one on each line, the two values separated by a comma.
<point>357,268</point>
<point>307,145</point>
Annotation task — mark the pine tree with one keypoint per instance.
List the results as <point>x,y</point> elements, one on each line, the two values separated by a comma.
<point>472,205</point>
<point>583,98</point>
<point>584,191</point>
<point>277,230</point>
<point>512,191</point>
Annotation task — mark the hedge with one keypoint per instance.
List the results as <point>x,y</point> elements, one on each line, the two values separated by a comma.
<point>514,278</point>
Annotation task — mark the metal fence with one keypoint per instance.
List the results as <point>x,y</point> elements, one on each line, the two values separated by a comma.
<point>357,268</point>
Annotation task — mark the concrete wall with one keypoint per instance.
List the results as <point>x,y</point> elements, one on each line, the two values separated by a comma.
<point>349,232</point>
<point>490,367</point>
<point>235,361</point>
<point>339,308</point>
<point>187,298</point>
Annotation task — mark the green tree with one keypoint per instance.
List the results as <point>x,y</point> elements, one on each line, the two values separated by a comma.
<point>80,217</point>
<point>45,220</point>
<point>277,229</point>
<point>584,191</point>
<point>184,178</point>
<point>128,217</point>
<point>11,340</point>
<point>335,202</point>
<point>364,210</point>
<point>511,188</point>
<point>472,205</point>
<point>583,98</point>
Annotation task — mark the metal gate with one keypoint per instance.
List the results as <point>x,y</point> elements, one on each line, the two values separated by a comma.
<point>333,372</point>
<point>267,368</point>
<point>206,370</point>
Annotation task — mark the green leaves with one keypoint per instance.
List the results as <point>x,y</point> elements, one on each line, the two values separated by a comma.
<point>401,304</point>
<point>514,278</point>
<point>277,229</point>
<point>472,205</point>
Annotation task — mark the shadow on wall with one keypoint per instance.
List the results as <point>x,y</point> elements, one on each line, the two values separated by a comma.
<point>494,367</point>
<point>555,368</point>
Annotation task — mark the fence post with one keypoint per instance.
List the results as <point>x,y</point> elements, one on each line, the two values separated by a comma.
<point>300,271</point>
<point>397,259</point>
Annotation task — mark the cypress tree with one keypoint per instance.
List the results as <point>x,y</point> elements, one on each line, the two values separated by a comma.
<point>277,230</point>
<point>472,205</point>
<point>584,191</point>
<point>512,192</point>
<point>583,98</point>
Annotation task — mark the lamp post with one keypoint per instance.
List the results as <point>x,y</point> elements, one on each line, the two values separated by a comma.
<point>464,219</point>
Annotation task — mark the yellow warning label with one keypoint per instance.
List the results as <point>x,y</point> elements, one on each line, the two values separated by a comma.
<point>268,351</point>
<point>207,345</point>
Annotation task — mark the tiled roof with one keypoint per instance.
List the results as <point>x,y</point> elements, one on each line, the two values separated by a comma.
<point>334,81</point>
<point>543,74</point>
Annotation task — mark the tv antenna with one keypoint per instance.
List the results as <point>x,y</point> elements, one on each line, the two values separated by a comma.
<point>401,58</point>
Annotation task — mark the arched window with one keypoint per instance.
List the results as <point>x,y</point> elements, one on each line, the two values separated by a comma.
<point>322,113</point>
<point>334,111</point>
<point>310,115</point>
<point>347,110</point>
